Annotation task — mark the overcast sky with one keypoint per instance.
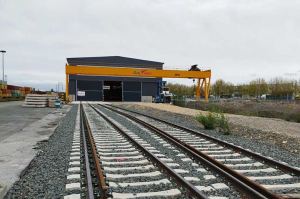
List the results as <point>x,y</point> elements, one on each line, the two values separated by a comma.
<point>238,40</point>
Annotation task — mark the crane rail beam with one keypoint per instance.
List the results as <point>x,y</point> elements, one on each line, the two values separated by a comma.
<point>135,72</point>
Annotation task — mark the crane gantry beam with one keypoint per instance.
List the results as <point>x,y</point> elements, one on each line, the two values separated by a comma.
<point>203,77</point>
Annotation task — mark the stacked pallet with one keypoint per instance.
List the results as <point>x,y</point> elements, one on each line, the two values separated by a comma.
<point>39,100</point>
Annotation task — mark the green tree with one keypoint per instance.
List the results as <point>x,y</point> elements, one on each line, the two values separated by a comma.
<point>257,87</point>
<point>218,87</point>
<point>280,87</point>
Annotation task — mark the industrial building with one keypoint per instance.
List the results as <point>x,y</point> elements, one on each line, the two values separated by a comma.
<point>113,88</point>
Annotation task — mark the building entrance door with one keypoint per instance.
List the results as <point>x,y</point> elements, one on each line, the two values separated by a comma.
<point>112,91</point>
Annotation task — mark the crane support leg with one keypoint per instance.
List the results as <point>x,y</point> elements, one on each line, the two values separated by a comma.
<point>201,87</point>
<point>67,87</point>
<point>205,89</point>
<point>198,90</point>
<point>203,84</point>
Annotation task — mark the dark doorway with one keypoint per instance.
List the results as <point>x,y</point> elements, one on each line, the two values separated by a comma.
<point>112,90</point>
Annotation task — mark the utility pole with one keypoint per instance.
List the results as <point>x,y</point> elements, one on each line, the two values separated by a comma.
<point>3,52</point>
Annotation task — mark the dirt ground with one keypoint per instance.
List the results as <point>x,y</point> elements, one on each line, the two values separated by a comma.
<point>276,131</point>
<point>260,108</point>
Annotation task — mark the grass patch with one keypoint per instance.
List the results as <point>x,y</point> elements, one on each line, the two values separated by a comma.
<point>268,109</point>
<point>209,121</point>
<point>293,117</point>
<point>214,120</point>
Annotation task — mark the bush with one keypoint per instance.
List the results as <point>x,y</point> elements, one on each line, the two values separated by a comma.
<point>214,120</point>
<point>209,121</point>
<point>223,124</point>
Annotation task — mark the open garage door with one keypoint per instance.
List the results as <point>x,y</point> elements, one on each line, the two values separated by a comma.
<point>112,91</point>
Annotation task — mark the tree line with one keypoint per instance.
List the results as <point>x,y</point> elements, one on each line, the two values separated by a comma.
<point>276,87</point>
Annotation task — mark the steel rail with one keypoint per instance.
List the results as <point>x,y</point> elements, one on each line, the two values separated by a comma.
<point>267,160</point>
<point>192,190</point>
<point>249,187</point>
<point>90,189</point>
<point>96,159</point>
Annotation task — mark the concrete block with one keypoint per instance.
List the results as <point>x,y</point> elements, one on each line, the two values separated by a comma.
<point>74,169</point>
<point>73,177</point>
<point>74,163</point>
<point>72,196</point>
<point>73,186</point>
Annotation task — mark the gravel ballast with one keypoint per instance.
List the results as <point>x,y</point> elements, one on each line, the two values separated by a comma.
<point>102,125</point>
<point>45,177</point>
<point>271,130</point>
<point>256,145</point>
<point>169,153</point>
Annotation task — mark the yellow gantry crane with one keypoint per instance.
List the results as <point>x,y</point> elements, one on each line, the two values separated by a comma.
<point>203,77</point>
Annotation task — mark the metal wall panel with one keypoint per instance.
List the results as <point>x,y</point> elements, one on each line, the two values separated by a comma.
<point>89,85</point>
<point>149,89</point>
<point>132,91</point>
<point>132,86</point>
<point>92,89</point>
<point>72,87</point>
<point>91,96</point>
<point>132,96</point>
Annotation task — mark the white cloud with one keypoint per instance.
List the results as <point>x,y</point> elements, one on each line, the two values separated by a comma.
<point>233,38</point>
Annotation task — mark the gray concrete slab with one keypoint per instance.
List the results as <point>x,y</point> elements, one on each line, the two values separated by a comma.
<point>20,129</point>
<point>14,117</point>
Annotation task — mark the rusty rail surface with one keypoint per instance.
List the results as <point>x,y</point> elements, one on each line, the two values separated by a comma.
<point>245,185</point>
<point>192,190</point>
<point>96,159</point>
<point>267,160</point>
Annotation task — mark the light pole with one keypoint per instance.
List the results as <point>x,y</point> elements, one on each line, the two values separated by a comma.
<point>3,52</point>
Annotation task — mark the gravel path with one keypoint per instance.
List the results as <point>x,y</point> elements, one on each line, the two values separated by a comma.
<point>45,177</point>
<point>248,140</point>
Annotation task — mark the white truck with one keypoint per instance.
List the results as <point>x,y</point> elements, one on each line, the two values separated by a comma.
<point>165,95</point>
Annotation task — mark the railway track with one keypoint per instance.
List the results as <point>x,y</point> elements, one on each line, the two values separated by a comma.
<point>85,178</point>
<point>270,178</point>
<point>126,166</point>
<point>132,171</point>
<point>111,159</point>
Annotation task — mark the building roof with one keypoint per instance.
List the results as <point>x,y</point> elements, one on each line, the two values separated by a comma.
<point>114,61</point>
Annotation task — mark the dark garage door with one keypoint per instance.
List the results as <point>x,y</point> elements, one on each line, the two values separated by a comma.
<point>92,89</point>
<point>132,91</point>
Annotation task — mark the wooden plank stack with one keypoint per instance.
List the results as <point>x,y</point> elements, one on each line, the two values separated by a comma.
<point>40,100</point>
